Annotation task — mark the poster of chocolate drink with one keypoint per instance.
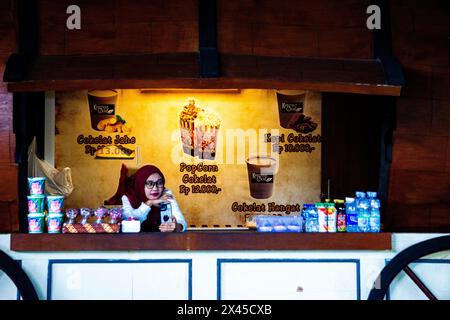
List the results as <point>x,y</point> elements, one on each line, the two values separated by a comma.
<point>292,111</point>
<point>261,176</point>
<point>102,106</point>
<point>290,105</point>
<point>224,155</point>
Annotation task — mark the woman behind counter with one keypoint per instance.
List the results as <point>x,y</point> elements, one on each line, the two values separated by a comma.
<point>143,200</point>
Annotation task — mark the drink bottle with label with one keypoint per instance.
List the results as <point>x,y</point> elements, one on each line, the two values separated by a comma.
<point>331,217</point>
<point>362,209</point>
<point>374,210</point>
<point>341,215</point>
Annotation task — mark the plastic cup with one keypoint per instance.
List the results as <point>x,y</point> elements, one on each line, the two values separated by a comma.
<point>55,203</point>
<point>100,213</point>
<point>36,222</point>
<point>102,105</point>
<point>36,185</point>
<point>54,222</point>
<point>36,203</point>
<point>85,213</point>
<point>290,105</point>
<point>72,215</point>
<point>115,215</point>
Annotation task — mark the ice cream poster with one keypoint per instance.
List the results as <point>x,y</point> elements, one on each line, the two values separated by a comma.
<point>226,155</point>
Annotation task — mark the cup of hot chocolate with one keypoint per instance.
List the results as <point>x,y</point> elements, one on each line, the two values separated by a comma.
<point>261,173</point>
<point>102,105</point>
<point>290,106</point>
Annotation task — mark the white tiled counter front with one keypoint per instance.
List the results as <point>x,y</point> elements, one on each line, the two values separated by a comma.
<point>288,279</point>
<point>305,274</point>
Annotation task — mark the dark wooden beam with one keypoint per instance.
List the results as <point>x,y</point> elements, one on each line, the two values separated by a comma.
<point>207,25</point>
<point>180,70</point>
<point>393,74</point>
<point>382,46</point>
<point>28,108</point>
<point>28,41</point>
<point>28,122</point>
<point>388,118</point>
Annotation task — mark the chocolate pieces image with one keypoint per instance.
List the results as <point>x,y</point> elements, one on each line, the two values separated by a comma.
<point>302,123</point>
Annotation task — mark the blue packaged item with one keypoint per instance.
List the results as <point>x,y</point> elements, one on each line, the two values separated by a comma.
<point>303,216</point>
<point>263,225</point>
<point>311,218</point>
<point>295,225</point>
<point>352,216</point>
<point>278,223</point>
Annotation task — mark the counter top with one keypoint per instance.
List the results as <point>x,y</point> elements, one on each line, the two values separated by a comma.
<point>201,240</point>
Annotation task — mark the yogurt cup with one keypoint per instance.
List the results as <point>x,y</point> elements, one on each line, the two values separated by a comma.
<point>36,185</point>
<point>54,222</point>
<point>55,203</point>
<point>36,203</point>
<point>36,222</point>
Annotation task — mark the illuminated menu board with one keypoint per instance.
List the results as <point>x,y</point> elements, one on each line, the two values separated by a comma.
<point>226,155</point>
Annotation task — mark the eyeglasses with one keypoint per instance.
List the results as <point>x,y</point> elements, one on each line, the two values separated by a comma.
<point>150,184</point>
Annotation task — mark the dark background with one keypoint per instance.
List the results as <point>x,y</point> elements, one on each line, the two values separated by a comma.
<point>419,177</point>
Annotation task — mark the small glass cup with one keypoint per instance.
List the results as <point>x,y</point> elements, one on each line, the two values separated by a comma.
<point>115,214</point>
<point>100,213</point>
<point>85,213</point>
<point>71,214</point>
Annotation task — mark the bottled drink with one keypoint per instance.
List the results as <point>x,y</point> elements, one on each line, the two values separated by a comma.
<point>374,220</point>
<point>362,210</point>
<point>351,215</point>
<point>323,217</point>
<point>374,210</point>
<point>331,217</point>
<point>341,215</point>
<point>374,202</point>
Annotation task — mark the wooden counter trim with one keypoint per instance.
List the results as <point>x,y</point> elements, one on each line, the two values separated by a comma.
<point>203,240</point>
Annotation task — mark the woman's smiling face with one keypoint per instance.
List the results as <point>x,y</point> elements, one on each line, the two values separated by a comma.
<point>154,186</point>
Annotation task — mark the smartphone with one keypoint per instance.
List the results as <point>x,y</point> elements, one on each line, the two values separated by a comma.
<point>166,212</point>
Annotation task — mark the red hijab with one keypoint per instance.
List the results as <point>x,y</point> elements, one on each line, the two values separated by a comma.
<point>136,194</point>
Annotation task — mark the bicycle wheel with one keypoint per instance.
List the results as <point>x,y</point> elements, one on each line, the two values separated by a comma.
<point>401,263</point>
<point>15,272</point>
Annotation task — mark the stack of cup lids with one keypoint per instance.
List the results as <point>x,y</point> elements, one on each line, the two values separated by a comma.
<point>55,216</point>
<point>36,204</point>
<point>36,197</point>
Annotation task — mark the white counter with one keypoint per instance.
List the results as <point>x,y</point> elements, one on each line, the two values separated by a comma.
<point>211,275</point>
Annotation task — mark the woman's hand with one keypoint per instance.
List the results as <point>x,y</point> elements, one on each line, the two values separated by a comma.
<point>169,227</point>
<point>166,197</point>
